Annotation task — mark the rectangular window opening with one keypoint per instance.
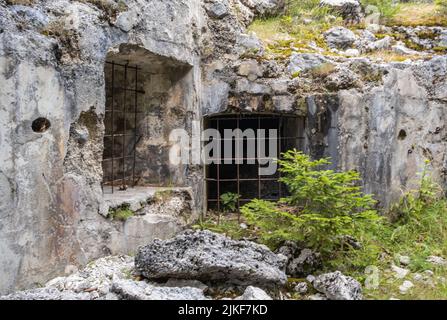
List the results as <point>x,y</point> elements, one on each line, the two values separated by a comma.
<point>244,178</point>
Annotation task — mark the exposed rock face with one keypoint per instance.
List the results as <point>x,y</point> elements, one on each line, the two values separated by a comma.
<point>337,286</point>
<point>207,256</point>
<point>392,112</point>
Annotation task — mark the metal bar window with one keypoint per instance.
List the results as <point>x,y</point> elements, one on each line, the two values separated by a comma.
<point>245,179</point>
<point>121,120</point>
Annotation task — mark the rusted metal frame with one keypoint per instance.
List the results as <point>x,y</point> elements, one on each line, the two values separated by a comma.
<point>115,158</point>
<point>129,90</point>
<point>123,65</point>
<point>113,135</point>
<point>113,123</point>
<point>238,179</point>
<point>135,128</point>
<point>118,135</point>
<point>124,187</point>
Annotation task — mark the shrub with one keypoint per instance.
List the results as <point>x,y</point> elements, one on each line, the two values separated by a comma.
<point>324,206</point>
<point>229,201</point>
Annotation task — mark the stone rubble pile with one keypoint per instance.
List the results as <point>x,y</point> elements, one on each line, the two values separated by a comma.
<point>199,265</point>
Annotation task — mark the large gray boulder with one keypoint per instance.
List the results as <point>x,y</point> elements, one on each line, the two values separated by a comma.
<point>337,286</point>
<point>208,256</point>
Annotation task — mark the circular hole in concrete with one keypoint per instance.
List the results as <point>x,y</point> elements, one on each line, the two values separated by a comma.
<point>402,135</point>
<point>41,125</point>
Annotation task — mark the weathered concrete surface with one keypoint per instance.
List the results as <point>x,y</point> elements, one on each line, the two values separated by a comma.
<point>388,132</point>
<point>383,119</point>
<point>52,65</point>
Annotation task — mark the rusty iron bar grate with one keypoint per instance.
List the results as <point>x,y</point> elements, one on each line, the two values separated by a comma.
<point>121,134</point>
<point>237,177</point>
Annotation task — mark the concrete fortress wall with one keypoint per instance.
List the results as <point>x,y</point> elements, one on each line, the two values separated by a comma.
<point>53,68</point>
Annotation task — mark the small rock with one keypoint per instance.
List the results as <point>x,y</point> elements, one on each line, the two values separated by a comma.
<point>243,226</point>
<point>217,10</point>
<point>307,21</point>
<point>130,290</point>
<point>442,42</point>
<point>351,53</point>
<point>127,20</point>
<point>374,28</point>
<point>439,261</point>
<point>81,135</point>
<point>418,277</point>
<point>337,286</point>
<point>48,293</point>
<point>381,44</point>
<point>250,69</point>
<point>340,38</point>
<point>181,283</point>
<point>429,273</point>
<point>248,44</point>
<point>343,78</point>
<point>317,297</point>
<point>133,290</point>
<point>399,273</point>
<point>404,260</point>
<point>310,278</point>
<point>301,288</point>
<point>403,50</point>
<point>170,293</point>
<point>300,62</point>
<point>253,293</point>
<point>288,249</point>
<point>406,286</point>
